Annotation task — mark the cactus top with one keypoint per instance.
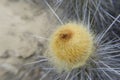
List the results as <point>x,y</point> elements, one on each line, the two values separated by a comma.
<point>71,45</point>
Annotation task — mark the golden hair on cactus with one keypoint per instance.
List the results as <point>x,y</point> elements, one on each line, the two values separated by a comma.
<point>71,45</point>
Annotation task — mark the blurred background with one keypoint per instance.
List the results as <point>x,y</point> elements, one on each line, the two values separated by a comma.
<point>21,24</point>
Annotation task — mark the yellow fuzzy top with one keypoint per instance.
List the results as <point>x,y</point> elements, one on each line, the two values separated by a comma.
<point>70,46</point>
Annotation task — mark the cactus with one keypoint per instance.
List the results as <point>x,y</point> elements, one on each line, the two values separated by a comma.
<point>87,44</point>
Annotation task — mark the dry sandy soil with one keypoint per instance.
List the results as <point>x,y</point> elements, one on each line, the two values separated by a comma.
<point>22,24</point>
